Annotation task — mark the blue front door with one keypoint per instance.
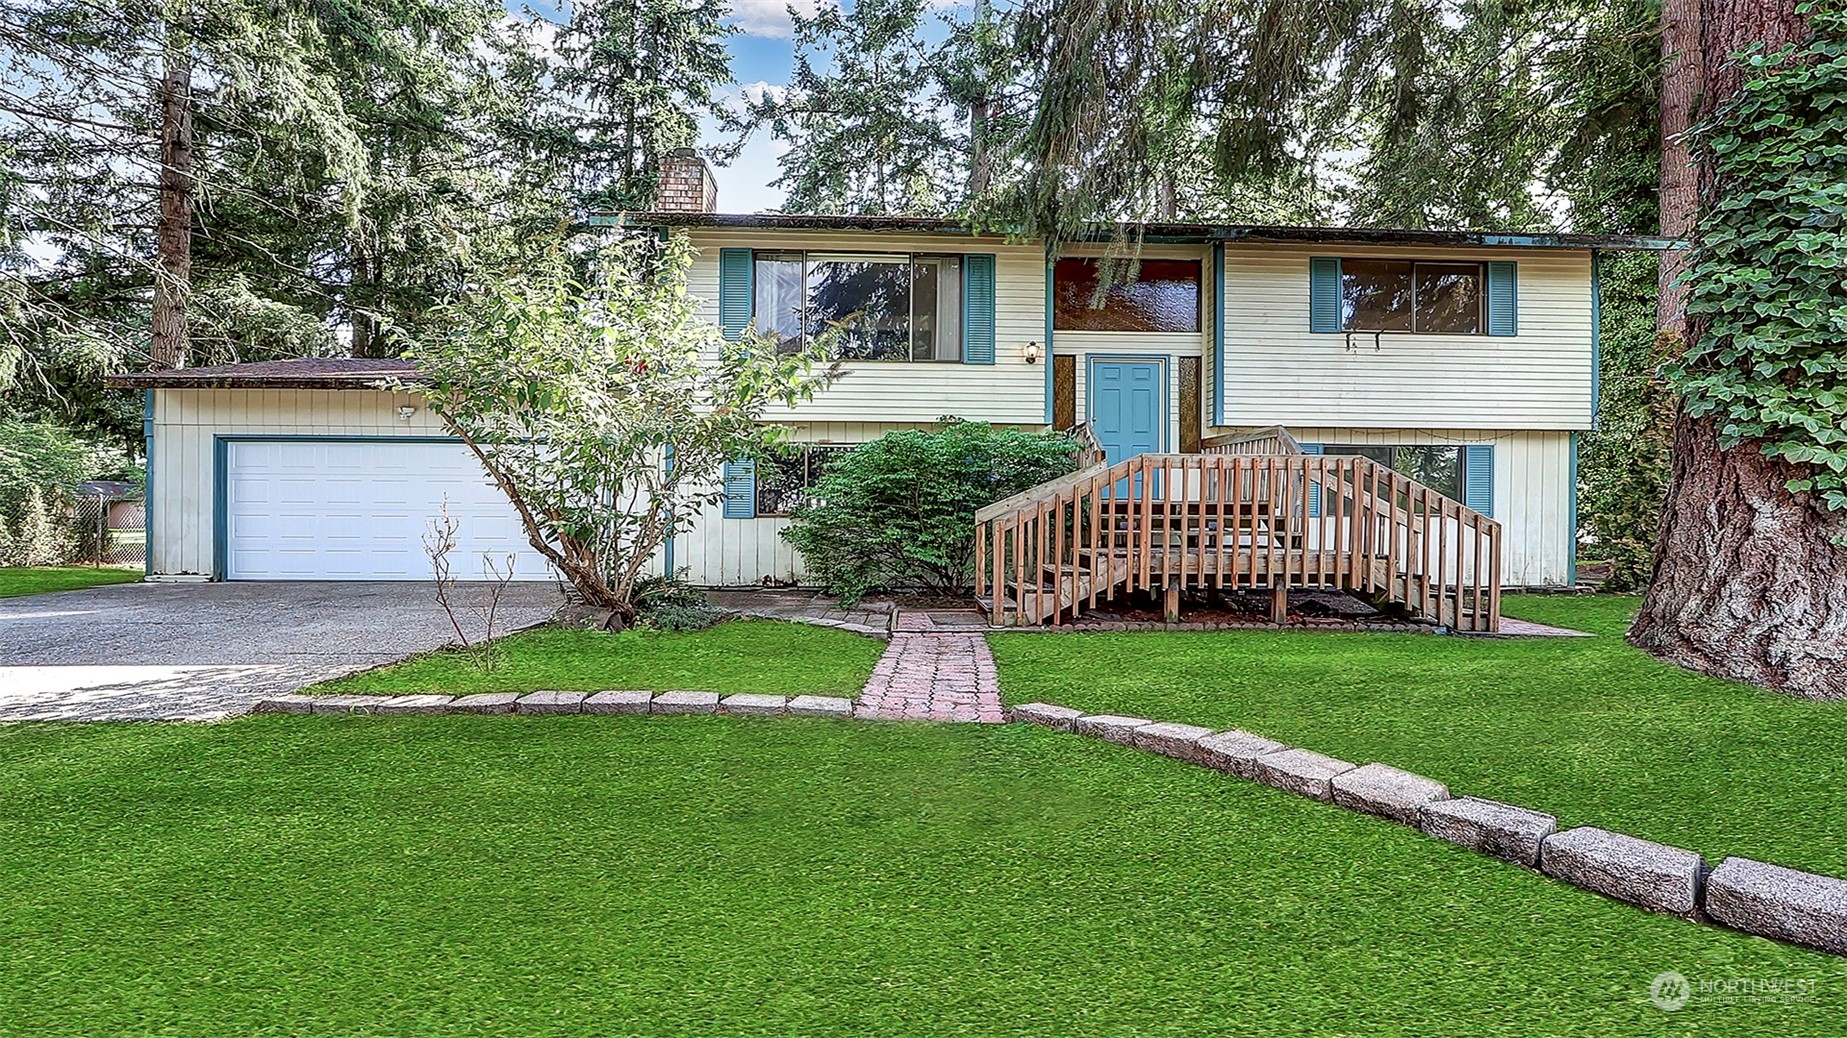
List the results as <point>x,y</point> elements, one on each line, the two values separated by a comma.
<point>1128,406</point>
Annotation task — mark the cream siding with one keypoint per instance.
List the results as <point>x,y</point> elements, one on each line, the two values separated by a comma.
<point>1523,394</point>
<point>1009,391</point>
<point>1532,491</point>
<point>1278,372</point>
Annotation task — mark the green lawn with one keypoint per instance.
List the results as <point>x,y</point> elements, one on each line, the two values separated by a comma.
<point>1591,730</point>
<point>711,875</point>
<point>740,656</point>
<point>36,580</point>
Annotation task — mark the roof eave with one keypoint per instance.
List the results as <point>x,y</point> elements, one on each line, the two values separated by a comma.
<point>1175,233</point>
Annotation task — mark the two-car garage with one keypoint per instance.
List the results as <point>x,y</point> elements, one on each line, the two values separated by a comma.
<point>314,469</point>
<point>362,509</point>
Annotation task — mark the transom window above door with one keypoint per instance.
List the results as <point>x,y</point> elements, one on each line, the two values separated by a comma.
<point>895,307</point>
<point>1154,295</point>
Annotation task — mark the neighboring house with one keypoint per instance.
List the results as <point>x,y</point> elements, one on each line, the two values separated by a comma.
<point>1468,361</point>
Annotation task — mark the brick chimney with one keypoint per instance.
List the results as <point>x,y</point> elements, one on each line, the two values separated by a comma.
<point>686,184</point>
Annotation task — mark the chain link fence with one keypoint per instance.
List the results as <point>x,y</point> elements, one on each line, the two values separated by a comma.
<point>108,531</point>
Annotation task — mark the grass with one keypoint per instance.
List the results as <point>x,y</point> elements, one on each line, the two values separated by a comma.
<point>449,876</point>
<point>1589,729</point>
<point>16,581</point>
<point>740,656</point>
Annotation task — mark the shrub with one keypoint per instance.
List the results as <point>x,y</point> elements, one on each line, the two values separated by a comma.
<point>900,512</point>
<point>668,604</point>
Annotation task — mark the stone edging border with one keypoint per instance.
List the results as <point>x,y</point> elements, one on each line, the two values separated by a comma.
<point>1754,897</point>
<point>549,702</point>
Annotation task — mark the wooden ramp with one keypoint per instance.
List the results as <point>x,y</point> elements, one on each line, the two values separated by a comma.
<point>1251,513</point>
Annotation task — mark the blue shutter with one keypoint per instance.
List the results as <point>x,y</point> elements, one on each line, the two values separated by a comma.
<point>736,291</point>
<point>741,489</point>
<point>1324,294</point>
<point>1314,489</point>
<point>1478,478</point>
<point>978,309</point>
<point>1503,300</point>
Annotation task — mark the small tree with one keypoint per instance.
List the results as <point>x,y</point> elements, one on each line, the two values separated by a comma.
<point>900,511</point>
<point>603,406</point>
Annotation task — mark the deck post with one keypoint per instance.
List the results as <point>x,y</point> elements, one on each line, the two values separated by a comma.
<point>1279,604</point>
<point>1170,602</point>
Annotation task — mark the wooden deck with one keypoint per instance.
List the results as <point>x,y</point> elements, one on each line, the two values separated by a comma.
<point>1238,518</point>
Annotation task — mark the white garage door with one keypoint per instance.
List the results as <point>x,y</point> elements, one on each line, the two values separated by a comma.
<point>359,510</point>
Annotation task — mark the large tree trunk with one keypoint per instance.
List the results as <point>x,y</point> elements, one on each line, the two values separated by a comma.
<point>1682,71</point>
<point>168,344</point>
<point>1750,580</point>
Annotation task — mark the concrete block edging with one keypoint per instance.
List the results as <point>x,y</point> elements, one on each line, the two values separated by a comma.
<point>1753,897</point>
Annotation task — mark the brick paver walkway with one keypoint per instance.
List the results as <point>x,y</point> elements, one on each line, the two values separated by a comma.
<point>933,677</point>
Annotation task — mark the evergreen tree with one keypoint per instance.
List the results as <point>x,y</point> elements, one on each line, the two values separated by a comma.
<point>633,78</point>
<point>862,115</point>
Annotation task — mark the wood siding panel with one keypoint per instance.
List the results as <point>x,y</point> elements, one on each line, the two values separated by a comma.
<point>1278,372</point>
<point>1009,391</point>
<point>1532,490</point>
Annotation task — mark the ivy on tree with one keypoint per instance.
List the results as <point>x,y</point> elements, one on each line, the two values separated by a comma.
<point>1768,280</point>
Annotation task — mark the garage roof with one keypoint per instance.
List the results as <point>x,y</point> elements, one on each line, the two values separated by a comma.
<point>302,373</point>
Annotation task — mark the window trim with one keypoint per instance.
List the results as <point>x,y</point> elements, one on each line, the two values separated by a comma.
<point>807,257</point>
<point>807,451</point>
<point>1481,295</point>
<point>1199,296</point>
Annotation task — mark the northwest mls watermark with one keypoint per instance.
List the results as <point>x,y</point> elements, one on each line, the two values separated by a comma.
<point>1672,991</point>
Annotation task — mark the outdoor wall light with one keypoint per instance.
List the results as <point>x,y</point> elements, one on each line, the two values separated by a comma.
<point>405,411</point>
<point>1031,353</point>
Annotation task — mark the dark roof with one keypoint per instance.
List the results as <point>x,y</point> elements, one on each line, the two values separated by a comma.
<point>109,489</point>
<point>1152,232</point>
<point>303,373</point>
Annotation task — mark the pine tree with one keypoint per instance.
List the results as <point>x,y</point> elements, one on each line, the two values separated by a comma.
<point>633,79</point>
<point>862,116</point>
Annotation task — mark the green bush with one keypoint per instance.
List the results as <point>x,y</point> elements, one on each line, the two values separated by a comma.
<point>1624,464</point>
<point>669,604</point>
<point>40,465</point>
<point>899,512</point>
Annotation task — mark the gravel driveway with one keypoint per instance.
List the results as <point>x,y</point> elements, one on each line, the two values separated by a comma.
<point>207,651</point>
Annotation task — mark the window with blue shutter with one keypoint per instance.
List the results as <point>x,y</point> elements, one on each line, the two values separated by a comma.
<point>741,489</point>
<point>1314,488</point>
<point>1503,299</point>
<point>978,308</point>
<point>736,292</point>
<point>1324,294</point>
<point>1478,478</point>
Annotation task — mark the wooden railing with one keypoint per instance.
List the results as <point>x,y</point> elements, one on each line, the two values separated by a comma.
<point>1167,522</point>
<point>1089,451</point>
<point>1273,440</point>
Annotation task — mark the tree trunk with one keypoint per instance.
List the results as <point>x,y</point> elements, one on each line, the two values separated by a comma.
<point>168,343</point>
<point>1750,580</point>
<point>1682,71</point>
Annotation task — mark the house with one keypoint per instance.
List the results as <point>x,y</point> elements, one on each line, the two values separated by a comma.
<point>1465,361</point>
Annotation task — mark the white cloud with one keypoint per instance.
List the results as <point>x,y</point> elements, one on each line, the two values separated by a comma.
<point>768,17</point>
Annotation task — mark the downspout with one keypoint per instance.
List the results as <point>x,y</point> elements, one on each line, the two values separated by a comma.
<point>667,558</point>
<point>147,483</point>
<point>1050,268</point>
<point>1218,334</point>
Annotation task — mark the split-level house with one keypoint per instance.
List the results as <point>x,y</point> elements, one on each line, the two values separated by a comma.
<point>1464,363</point>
